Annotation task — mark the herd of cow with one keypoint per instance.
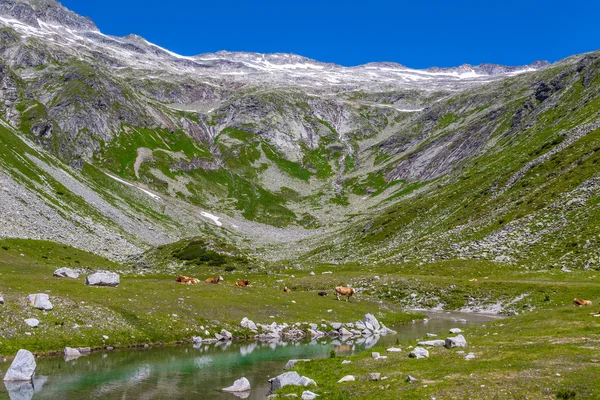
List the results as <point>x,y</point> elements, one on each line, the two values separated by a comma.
<point>339,290</point>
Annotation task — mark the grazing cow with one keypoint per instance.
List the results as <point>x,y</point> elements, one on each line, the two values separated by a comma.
<point>287,289</point>
<point>344,291</point>
<point>186,280</point>
<point>322,294</point>
<point>242,282</point>
<point>215,279</point>
<point>580,302</point>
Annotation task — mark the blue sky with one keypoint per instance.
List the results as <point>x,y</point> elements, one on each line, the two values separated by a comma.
<point>418,33</point>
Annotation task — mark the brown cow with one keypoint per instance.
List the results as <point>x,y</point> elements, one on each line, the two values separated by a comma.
<point>580,302</point>
<point>344,291</point>
<point>186,280</point>
<point>215,279</point>
<point>242,282</point>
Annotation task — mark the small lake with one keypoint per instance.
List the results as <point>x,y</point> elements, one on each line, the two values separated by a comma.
<point>185,372</point>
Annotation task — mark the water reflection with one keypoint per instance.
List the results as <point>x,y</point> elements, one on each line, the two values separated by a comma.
<point>195,372</point>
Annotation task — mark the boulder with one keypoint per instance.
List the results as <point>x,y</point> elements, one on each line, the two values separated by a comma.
<point>289,378</point>
<point>470,356</point>
<point>345,332</point>
<point>433,343</point>
<point>1,299</point>
<point>346,362</point>
<point>370,319</point>
<point>66,273</point>
<point>32,322</point>
<point>455,330</point>
<point>457,341</point>
<point>411,379</point>
<point>431,335</point>
<point>71,353</point>
<point>291,363</point>
<point>419,352</point>
<point>308,395</point>
<point>226,335</point>
<point>374,376</point>
<point>248,324</point>
<point>394,349</point>
<point>336,325</point>
<point>41,301</point>
<point>103,278</point>
<point>197,339</point>
<point>375,354</point>
<point>240,385</point>
<point>22,367</point>
<point>347,378</point>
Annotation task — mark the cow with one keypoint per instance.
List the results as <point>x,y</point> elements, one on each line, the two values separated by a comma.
<point>580,302</point>
<point>215,279</point>
<point>287,289</point>
<point>242,282</point>
<point>186,280</point>
<point>344,291</point>
<point>322,294</point>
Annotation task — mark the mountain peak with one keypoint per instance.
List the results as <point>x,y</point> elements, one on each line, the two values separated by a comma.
<point>32,12</point>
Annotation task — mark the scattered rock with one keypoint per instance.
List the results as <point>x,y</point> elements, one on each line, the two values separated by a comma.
<point>240,385</point>
<point>103,278</point>
<point>375,354</point>
<point>308,395</point>
<point>197,339</point>
<point>226,335</point>
<point>32,322</point>
<point>419,352</point>
<point>458,341</point>
<point>345,362</point>
<point>411,379</point>
<point>431,335</point>
<point>345,332</point>
<point>1,299</point>
<point>71,353</point>
<point>336,325</point>
<point>455,330</point>
<point>433,343</point>
<point>22,367</point>
<point>470,356</point>
<point>291,363</point>
<point>104,337</point>
<point>41,301</point>
<point>394,349</point>
<point>248,324</point>
<point>347,378</point>
<point>66,273</point>
<point>374,376</point>
<point>289,378</point>
<point>312,273</point>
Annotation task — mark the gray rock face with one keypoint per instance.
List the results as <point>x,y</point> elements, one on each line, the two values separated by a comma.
<point>240,385</point>
<point>41,301</point>
<point>433,343</point>
<point>66,273</point>
<point>457,341</point>
<point>32,322</point>
<point>291,363</point>
<point>419,352</point>
<point>289,378</point>
<point>103,279</point>
<point>22,367</point>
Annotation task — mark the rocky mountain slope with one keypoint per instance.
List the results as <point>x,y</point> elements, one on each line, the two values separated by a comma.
<point>116,145</point>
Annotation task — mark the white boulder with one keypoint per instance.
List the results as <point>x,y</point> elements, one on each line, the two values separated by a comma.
<point>240,385</point>
<point>41,301</point>
<point>457,341</point>
<point>66,273</point>
<point>419,352</point>
<point>347,378</point>
<point>22,367</point>
<point>103,278</point>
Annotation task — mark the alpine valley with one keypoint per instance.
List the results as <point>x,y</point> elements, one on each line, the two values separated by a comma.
<point>473,189</point>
